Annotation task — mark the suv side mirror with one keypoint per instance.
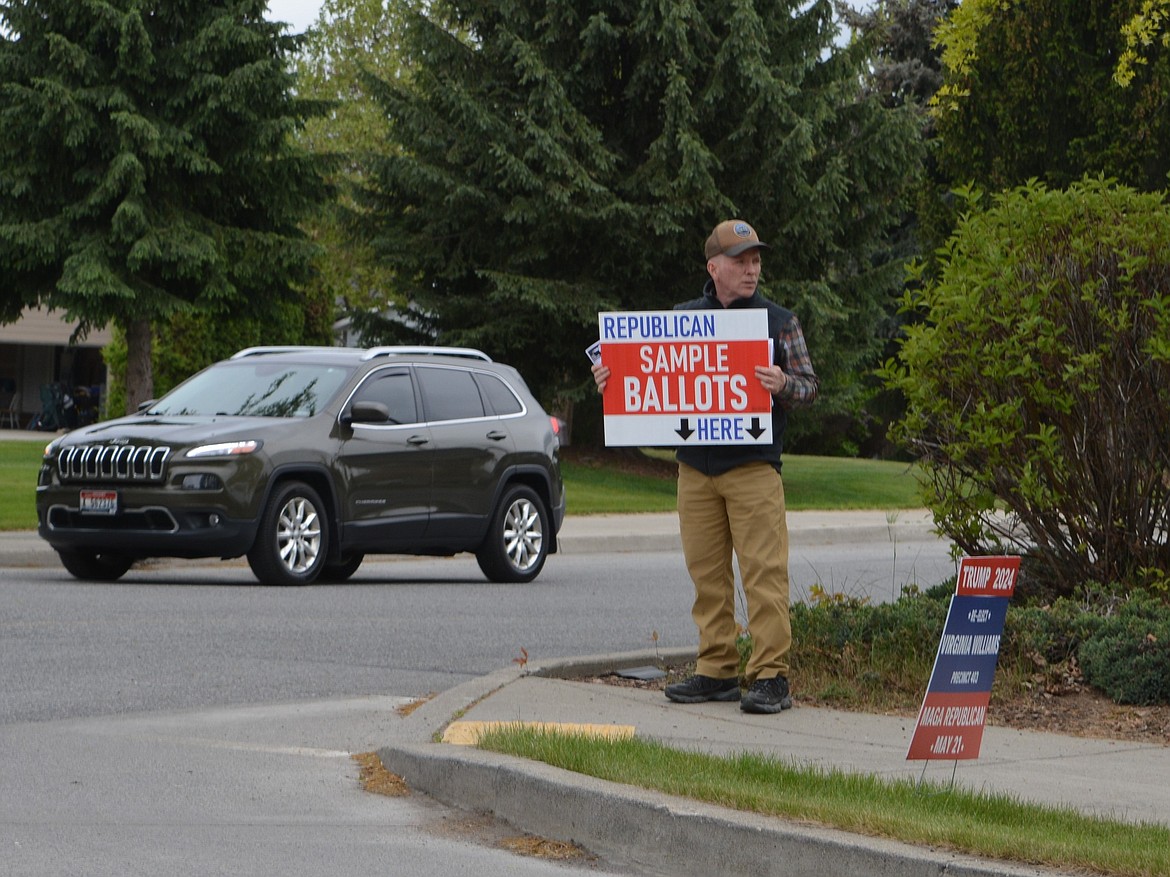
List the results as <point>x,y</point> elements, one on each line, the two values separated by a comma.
<point>366,412</point>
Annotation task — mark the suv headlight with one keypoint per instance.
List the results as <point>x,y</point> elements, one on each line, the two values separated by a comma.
<point>223,449</point>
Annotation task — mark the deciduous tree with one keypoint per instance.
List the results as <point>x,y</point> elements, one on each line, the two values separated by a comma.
<point>1038,383</point>
<point>351,41</point>
<point>1030,92</point>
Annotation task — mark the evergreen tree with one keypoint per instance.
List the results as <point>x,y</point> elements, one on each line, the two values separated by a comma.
<point>906,67</point>
<point>146,165</point>
<point>905,71</point>
<point>563,157</point>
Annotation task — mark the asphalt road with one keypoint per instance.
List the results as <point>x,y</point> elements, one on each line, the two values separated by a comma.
<point>185,720</point>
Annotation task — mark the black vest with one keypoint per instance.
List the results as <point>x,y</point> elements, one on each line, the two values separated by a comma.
<point>717,459</point>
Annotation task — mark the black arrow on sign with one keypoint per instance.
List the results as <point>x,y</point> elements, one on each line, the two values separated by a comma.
<point>756,430</point>
<point>684,430</point>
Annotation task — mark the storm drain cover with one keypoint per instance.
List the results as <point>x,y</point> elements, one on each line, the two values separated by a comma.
<point>643,673</point>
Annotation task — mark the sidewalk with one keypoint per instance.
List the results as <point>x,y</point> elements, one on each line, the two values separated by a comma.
<point>1118,780</point>
<point>1114,779</point>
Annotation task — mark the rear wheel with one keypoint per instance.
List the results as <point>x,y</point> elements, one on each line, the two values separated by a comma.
<point>515,547</point>
<point>94,566</point>
<point>293,538</point>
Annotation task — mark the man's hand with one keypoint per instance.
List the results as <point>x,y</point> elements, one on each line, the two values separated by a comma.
<point>772,377</point>
<point>601,376</point>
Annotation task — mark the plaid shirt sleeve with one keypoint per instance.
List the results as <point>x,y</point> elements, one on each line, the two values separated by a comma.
<point>793,357</point>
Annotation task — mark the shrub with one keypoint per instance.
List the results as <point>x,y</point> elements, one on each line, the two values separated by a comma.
<point>1038,382</point>
<point>849,650</point>
<point>1046,634</point>
<point>1128,655</point>
<point>880,656</point>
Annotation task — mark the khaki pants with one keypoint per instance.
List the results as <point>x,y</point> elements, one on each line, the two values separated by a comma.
<point>741,510</point>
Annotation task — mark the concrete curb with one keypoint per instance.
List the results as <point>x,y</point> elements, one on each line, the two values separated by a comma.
<point>623,823</point>
<point>650,829</point>
<point>586,534</point>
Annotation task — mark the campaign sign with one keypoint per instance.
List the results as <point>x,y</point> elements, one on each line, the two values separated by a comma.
<point>685,377</point>
<point>987,576</point>
<point>954,712</point>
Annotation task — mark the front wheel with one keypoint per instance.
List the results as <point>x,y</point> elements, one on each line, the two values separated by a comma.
<point>340,570</point>
<point>293,538</point>
<point>515,547</point>
<point>94,566</point>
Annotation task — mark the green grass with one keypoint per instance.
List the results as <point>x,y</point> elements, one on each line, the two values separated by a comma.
<point>19,463</point>
<point>596,491</point>
<point>846,483</point>
<point>821,483</point>
<point>809,483</point>
<point>981,824</point>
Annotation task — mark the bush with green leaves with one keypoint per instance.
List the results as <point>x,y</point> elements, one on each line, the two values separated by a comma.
<point>845,646</point>
<point>1128,656</point>
<point>188,342</point>
<point>1046,636</point>
<point>1038,382</point>
<point>850,651</point>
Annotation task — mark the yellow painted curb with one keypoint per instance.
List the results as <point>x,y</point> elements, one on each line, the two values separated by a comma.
<point>468,733</point>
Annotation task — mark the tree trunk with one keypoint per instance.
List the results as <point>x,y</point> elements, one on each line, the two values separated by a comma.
<point>139,369</point>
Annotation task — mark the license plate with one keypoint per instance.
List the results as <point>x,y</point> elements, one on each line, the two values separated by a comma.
<point>99,502</point>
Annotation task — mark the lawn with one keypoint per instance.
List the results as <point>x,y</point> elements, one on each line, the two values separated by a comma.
<point>979,823</point>
<point>610,483</point>
<point>596,483</point>
<point>19,462</point>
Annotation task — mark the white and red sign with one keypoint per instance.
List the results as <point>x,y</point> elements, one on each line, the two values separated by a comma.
<point>954,712</point>
<point>686,377</point>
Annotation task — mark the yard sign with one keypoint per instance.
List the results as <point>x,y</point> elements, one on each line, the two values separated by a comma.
<point>954,711</point>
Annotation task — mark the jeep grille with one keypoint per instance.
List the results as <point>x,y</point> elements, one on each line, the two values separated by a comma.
<point>112,463</point>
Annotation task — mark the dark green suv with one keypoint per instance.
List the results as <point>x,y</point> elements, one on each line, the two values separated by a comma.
<point>307,459</point>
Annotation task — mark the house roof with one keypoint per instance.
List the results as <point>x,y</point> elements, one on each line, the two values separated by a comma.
<point>49,327</point>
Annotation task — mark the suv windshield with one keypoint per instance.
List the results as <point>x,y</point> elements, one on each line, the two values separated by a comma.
<point>256,389</point>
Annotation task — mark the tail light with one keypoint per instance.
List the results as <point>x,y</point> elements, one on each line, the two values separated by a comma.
<point>558,428</point>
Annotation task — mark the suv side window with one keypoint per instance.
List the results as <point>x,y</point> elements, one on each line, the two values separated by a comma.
<point>449,394</point>
<point>394,389</point>
<point>502,400</point>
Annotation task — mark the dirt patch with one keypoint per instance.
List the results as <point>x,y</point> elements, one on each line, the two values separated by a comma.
<point>407,708</point>
<point>376,779</point>
<point>1083,713</point>
<point>543,848</point>
<point>478,828</point>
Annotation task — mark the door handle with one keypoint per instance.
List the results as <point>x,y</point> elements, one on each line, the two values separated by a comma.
<point>495,435</point>
<point>417,440</point>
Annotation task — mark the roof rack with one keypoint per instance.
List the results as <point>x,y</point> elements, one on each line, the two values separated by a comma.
<point>290,348</point>
<point>469,352</point>
<point>370,353</point>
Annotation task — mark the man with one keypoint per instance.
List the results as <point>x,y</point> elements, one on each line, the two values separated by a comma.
<point>731,499</point>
